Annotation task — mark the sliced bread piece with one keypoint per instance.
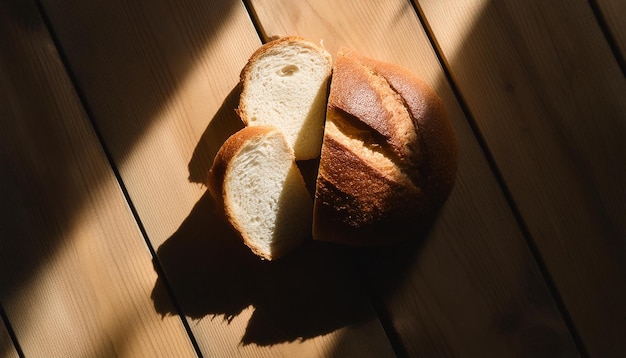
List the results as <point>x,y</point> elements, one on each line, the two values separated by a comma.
<point>389,154</point>
<point>257,185</point>
<point>285,84</point>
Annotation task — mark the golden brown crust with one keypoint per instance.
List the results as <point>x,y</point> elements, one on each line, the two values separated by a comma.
<point>439,147</point>
<point>357,201</point>
<point>356,193</point>
<point>357,93</point>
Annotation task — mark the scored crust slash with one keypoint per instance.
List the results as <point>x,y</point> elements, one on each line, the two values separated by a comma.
<point>388,154</point>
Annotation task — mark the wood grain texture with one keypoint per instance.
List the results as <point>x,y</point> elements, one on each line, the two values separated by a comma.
<point>160,79</point>
<point>76,273</point>
<point>548,97</point>
<point>614,13</point>
<point>470,287</point>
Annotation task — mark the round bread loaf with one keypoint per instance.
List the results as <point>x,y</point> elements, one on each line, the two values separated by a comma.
<point>389,154</point>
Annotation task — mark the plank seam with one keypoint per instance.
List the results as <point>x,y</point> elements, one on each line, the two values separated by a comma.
<point>254,18</point>
<point>393,336</point>
<point>543,269</point>
<point>608,35</point>
<point>11,332</point>
<point>109,157</point>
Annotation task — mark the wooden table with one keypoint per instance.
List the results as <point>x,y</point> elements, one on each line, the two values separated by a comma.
<point>110,115</point>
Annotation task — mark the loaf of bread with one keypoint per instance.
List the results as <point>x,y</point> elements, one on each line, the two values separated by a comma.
<point>257,186</point>
<point>285,84</point>
<point>388,158</point>
<point>389,154</point>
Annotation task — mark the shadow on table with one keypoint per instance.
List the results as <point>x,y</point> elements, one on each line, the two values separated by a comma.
<point>314,290</point>
<point>225,122</point>
<point>310,292</point>
<point>126,60</point>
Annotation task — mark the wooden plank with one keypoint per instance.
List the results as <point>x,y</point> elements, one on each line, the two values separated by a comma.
<point>471,287</point>
<point>548,97</point>
<point>160,80</point>
<point>76,272</point>
<point>614,13</point>
<point>7,348</point>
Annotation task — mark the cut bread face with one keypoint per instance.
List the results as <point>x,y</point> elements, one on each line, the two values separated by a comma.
<point>285,84</point>
<point>255,179</point>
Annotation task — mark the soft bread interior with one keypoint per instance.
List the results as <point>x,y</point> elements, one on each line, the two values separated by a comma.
<point>287,87</point>
<point>266,196</point>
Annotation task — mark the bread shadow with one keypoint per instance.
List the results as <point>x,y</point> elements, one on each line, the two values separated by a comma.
<point>314,290</point>
<point>224,123</point>
<point>310,292</point>
<point>385,268</point>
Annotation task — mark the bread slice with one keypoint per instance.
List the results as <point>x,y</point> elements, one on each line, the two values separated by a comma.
<point>256,183</point>
<point>285,84</point>
<point>389,154</point>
